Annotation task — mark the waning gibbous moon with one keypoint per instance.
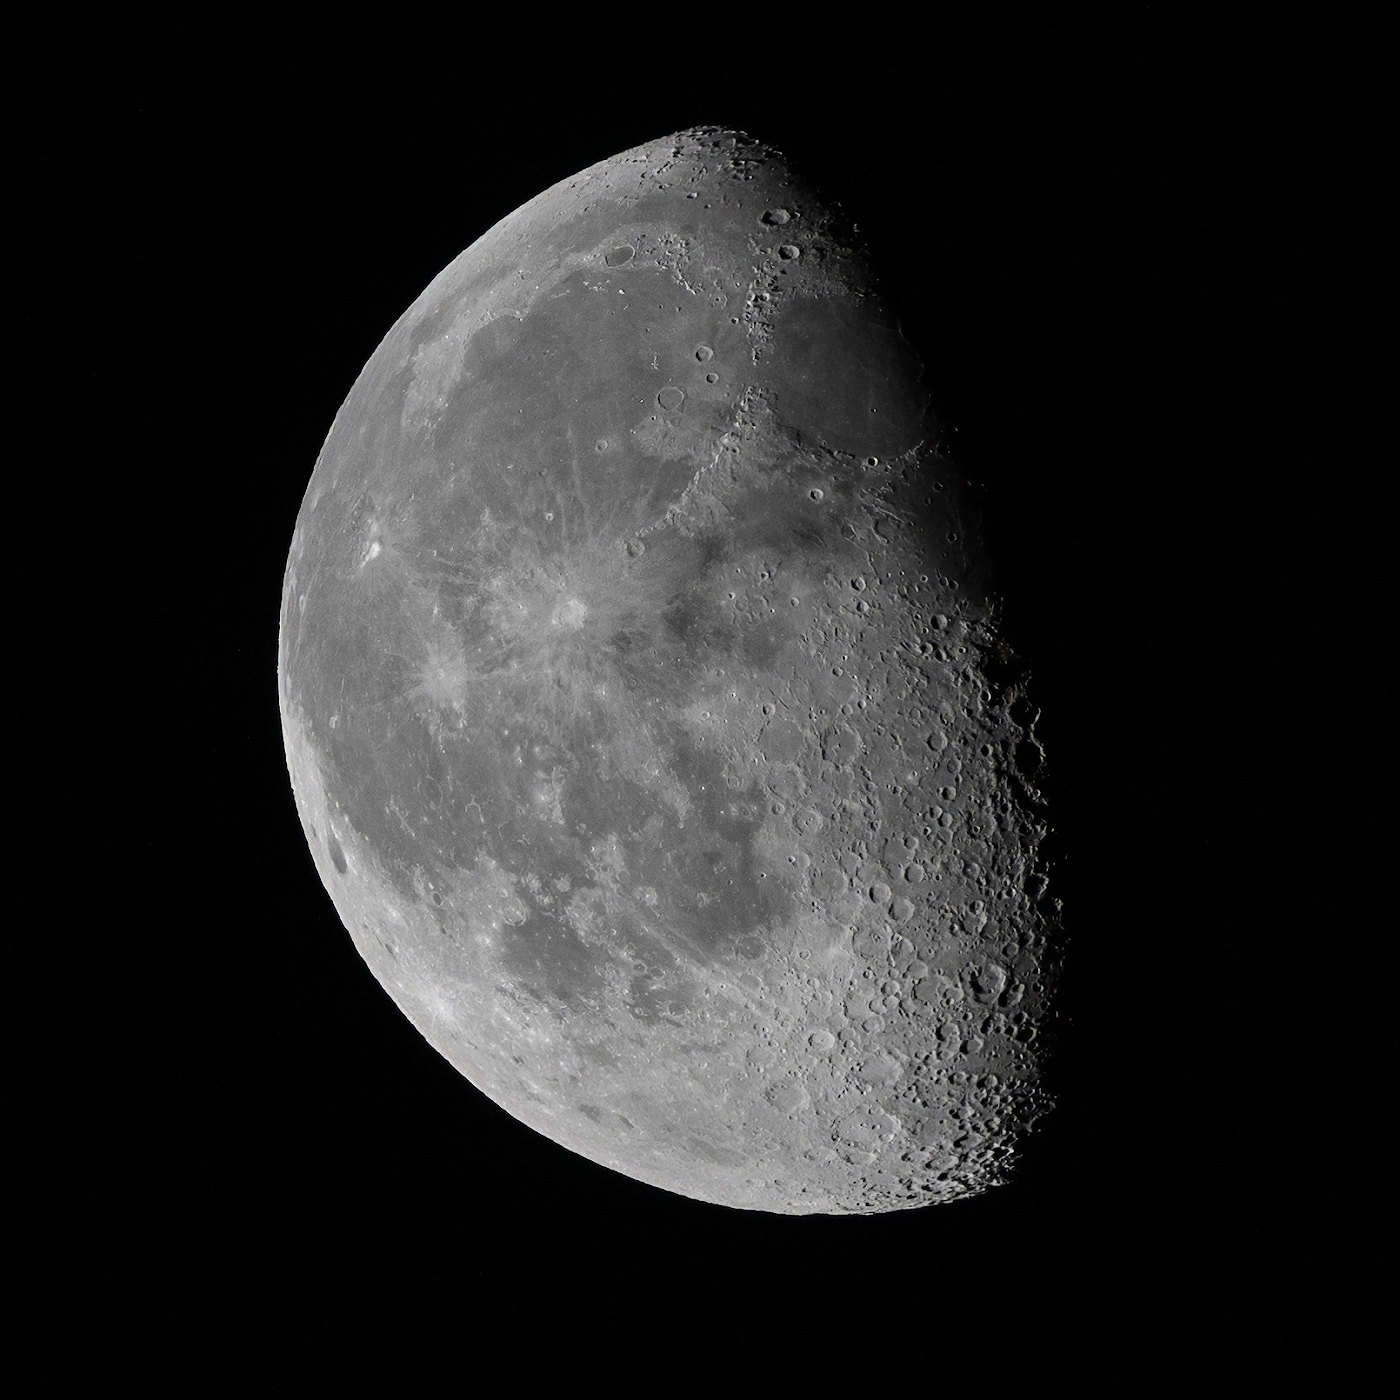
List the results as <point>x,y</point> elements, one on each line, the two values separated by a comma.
<point>647,712</point>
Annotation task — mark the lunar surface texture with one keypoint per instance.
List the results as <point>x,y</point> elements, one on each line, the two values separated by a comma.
<point>646,708</point>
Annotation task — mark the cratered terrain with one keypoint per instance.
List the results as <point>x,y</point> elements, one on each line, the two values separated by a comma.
<point>646,707</point>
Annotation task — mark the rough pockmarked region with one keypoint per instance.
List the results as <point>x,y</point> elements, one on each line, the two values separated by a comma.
<point>645,706</point>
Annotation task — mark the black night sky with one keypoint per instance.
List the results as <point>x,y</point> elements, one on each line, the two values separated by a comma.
<point>1074,220</point>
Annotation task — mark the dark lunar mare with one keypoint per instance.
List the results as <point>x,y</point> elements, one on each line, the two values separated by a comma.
<point>646,708</point>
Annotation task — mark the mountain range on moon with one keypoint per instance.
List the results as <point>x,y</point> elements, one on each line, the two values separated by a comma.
<point>646,705</point>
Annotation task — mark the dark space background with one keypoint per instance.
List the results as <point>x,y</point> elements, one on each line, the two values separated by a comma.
<point>1082,221</point>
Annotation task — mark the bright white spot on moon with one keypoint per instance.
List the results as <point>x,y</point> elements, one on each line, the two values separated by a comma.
<point>570,614</point>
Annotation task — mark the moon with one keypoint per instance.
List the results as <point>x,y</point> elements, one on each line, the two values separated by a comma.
<point>647,709</point>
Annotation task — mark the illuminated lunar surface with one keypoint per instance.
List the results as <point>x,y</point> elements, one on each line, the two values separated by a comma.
<point>647,719</point>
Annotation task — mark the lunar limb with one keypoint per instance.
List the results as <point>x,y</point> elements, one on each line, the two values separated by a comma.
<point>645,705</point>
